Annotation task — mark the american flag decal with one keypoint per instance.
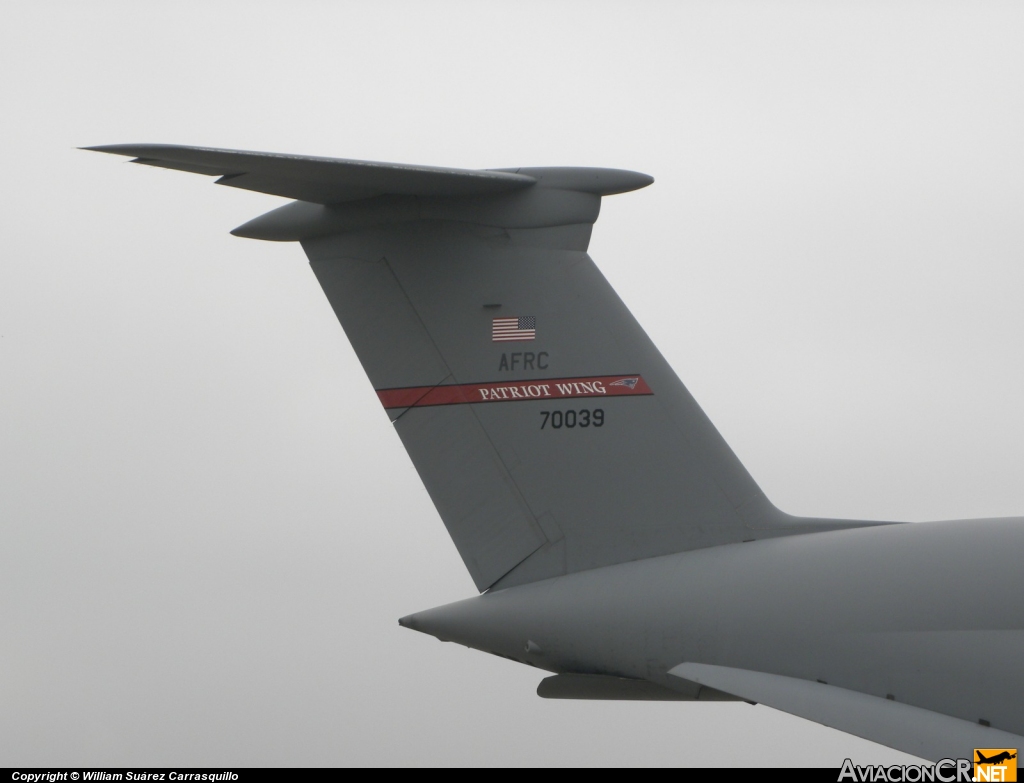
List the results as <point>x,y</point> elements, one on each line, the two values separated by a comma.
<point>514,329</point>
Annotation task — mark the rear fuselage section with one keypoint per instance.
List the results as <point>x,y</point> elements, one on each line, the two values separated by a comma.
<point>928,614</point>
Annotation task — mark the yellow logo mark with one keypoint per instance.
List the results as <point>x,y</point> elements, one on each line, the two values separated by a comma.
<point>998,765</point>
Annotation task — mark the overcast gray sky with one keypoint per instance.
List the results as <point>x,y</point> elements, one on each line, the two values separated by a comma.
<point>209,528</point>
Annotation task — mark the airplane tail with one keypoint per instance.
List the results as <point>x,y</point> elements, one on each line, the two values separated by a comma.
<point>550,433</point>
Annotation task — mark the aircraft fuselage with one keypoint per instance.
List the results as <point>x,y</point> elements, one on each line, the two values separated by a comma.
<point>889,611</point>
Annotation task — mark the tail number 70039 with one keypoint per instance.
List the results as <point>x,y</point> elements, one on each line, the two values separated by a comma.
<point>570,419</point>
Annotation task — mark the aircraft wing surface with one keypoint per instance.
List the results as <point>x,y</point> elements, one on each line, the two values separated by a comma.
<point>923,733</point>
<point>319,180</point>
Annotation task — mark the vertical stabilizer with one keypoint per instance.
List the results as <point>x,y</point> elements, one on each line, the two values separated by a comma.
<point>550,433</point>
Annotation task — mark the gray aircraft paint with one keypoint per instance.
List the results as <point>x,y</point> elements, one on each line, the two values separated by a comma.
<point>917,612</point>
<point>643,546</point>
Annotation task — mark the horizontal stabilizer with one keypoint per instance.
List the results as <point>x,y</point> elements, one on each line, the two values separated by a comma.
<point>336,180</point>
<point>319,180</point>
<point>923,733</point>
